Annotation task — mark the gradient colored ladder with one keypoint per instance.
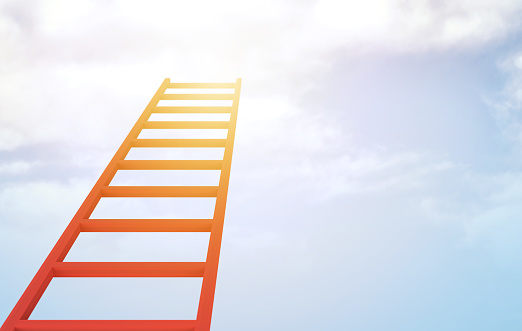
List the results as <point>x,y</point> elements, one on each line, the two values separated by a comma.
<point>54,266</point>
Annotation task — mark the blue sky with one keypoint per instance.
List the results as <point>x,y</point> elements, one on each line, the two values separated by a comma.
<point>376,176</point>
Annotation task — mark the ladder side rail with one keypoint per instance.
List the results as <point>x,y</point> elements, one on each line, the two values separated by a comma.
<point>32,294</point>
<point>208,286</point>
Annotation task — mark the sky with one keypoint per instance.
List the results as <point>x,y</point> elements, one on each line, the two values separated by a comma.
<point>377,171</point>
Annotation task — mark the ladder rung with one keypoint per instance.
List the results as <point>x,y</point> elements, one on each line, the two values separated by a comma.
<point>186,125</point>
<point>201,85</point>
<point>146,225</point>
<point>116,325</point>
<point>170,164</point>
<point>165,109</point>
<point>128,269</point>
<point>178,142</point>
<point>196,97</point>
<point>159,191</point>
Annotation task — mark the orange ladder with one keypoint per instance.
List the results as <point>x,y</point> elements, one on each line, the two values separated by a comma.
<point>54,266</point>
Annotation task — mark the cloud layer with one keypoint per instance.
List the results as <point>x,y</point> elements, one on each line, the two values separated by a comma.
<point>338,208</point>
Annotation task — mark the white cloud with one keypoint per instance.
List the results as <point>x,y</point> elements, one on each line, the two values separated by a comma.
<point>58,53</point>
<point>40,204</point>
<point>10,139</point>
<point>444,24</point>
<point>495,224</point>
<point>14,168</point>
<point>506,107</point>
<point>484,208</point>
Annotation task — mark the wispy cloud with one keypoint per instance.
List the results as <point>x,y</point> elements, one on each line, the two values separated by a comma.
<point>506,107</point>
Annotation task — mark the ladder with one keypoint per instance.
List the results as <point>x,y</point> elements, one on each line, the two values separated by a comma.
<point>53,266</point>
